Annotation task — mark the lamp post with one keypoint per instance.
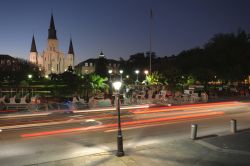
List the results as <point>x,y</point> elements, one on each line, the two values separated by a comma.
<point>110,72</point>
<point>137,72</point>
<point>182,83</point>
<point>121,72</point>
<point>146,74</point>
<point>110,83</point>
<point>117,85</point>
<point>29,80</point>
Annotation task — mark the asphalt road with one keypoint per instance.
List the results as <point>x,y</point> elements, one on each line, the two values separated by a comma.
<point>29,140</point>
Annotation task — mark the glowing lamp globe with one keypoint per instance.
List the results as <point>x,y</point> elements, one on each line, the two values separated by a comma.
<point>117,85</point>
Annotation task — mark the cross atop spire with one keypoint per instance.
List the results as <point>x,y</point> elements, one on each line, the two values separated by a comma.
<point>33,45</point>
<point>71,49</point>
<point>52,30</point>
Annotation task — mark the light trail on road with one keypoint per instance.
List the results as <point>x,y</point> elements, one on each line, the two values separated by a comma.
<point>138,122</point>
<point>187,107</point>
<point>143,116</point>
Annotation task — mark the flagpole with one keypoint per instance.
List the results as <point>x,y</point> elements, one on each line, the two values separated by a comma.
<point>150,42</point>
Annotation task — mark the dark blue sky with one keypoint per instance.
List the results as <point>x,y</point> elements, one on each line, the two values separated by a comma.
<point>118,27</point>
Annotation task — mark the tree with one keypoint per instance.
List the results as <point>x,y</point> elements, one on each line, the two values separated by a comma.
<point>155,79</point>
<point>93,83</point>
<point>228,55</point>
<point>71,80</point>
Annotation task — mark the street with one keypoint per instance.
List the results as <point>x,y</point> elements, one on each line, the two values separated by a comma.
<point>39,139</point>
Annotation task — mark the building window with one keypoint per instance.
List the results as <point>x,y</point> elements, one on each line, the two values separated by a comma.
<point>109,64</point>
<point>86,64</point>
<point>91,64</point>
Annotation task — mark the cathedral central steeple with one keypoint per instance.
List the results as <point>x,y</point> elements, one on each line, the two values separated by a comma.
<point>71,49</point>
<point>52,29</point>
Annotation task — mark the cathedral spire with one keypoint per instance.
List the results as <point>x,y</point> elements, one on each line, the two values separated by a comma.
<point>52,30</point>
<point>33,45</point>
<point>71,49</point>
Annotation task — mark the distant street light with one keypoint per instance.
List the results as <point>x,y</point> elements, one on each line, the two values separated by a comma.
<point>117,85</point>
<point>29,76</point>
<point>110,83</point>
<point>146,74</point>
<point>182,83</point>
<point>110,72</point>
<point>121,72</point>
<point>137,72</point>
<point>29,80</point>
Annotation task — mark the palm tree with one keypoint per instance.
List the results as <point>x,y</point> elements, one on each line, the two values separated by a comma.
<point>155,79</point>
<point>98,83</point>
<point>93,83</point>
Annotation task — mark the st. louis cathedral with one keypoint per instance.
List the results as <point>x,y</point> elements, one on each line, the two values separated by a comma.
<point>52,60</point>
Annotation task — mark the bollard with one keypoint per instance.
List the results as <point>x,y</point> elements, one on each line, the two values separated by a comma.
<point>233,124</point>
<point>194,131</point>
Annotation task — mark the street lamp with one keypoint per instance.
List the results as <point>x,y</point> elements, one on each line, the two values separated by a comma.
<point>182,83</point>
<point>121,72</point>
<point>29,76</point>
<point>29,81</point>
<point>110,83</point>
<point>110,72</point>
<point>117,85</point>
<point>137,72</point>
<point>146,74</point>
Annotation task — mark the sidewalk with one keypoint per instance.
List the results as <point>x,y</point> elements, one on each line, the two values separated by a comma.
<point>233,149</point>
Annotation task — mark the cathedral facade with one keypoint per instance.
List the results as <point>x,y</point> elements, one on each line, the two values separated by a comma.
<point>52,60</point>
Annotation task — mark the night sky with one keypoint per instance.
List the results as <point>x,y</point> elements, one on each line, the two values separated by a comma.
<point>118,27</point>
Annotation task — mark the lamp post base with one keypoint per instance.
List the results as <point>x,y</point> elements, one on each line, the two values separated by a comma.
<point>120,151</point>
<point>120,154</point>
